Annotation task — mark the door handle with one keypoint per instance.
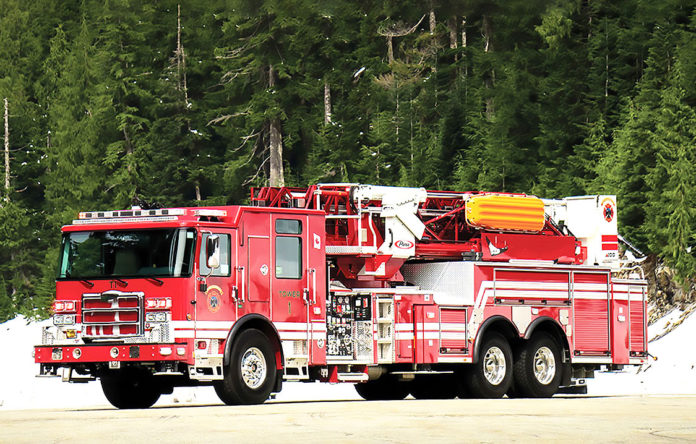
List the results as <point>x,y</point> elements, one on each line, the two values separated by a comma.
<point>241,269</point>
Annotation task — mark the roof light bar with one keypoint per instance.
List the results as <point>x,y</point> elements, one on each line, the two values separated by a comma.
<point>132,213</point>
<point>124,220</point>
<point>206,212</point>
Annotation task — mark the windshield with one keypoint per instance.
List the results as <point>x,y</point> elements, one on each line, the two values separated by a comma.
<point>107,254</point>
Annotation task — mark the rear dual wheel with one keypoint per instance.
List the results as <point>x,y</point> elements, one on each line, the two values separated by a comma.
<point>537,369</point>
<point>491,376</point>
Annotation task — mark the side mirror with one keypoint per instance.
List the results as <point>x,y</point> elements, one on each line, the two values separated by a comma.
<point>212,251</point>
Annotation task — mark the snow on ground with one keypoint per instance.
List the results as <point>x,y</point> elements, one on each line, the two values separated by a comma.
<point>673,373</point>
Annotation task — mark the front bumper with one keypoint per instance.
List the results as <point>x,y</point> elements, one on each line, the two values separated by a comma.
<point>68,355</point>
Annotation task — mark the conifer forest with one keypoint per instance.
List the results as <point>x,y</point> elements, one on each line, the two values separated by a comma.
<point>186,103</point>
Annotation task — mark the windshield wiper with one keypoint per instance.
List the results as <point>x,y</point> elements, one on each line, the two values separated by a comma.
<point>87,283</point>
<point>121,281</point>
<point>159,282</point>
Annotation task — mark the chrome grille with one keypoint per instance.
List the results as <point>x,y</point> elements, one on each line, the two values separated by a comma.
<point>112,314</point>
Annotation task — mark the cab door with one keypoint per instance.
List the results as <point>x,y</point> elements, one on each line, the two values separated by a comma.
<point>290,292</point>
<point>215,307</point>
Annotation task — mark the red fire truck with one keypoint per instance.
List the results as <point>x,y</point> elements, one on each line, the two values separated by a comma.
<point>399,291</point>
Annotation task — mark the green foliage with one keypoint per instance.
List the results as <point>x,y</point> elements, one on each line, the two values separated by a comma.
<point>112,100</point>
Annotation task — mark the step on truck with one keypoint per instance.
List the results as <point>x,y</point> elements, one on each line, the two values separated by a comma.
<point>399,291</point>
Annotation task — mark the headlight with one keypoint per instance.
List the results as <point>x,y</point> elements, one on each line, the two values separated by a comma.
<point>63,319</point>
<point>156,317</point>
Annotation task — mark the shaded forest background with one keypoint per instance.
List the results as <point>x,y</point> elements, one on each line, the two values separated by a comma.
<point>184,103</point>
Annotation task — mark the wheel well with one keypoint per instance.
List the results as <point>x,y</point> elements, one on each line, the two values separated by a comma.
<point>551,327</point>
<point>498,324</point>
<point>260,323</point>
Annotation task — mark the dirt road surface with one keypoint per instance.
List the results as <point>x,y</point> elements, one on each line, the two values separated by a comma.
<point>569,419</point>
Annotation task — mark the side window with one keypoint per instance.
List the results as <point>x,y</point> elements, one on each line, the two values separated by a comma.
<point>288,249</point>
<point>224,268</point>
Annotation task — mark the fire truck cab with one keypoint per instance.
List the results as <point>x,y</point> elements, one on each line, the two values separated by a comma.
<point>397,290</point>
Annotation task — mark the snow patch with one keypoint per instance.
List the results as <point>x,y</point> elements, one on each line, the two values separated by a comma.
<point>674,371</point>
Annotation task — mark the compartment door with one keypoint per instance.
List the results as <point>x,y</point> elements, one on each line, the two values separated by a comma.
<point>591,299</point>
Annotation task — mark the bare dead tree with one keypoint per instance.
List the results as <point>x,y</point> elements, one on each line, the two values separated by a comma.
<point>397,29</point>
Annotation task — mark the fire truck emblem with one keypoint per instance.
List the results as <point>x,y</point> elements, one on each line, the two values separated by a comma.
<point>214,296</point>
<point>608,210</point>
<point>495,250</point>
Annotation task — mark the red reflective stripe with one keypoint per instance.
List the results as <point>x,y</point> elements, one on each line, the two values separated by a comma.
<point>610,246</point>
<point>610,238</point>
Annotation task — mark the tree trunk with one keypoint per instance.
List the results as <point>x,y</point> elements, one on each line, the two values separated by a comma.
<point>433,23</point>
<point>464,32</point>
<point>327,103</point>
<point>390,49</point>
<point>466,67</point>
<point>487,31</point>
<point>180,59</point>
<point>606,66</point>
<point>452,27</point>
<point>490,79</point>
<point>129,151</point>
<point>7,152</point>
<point>276,178</point>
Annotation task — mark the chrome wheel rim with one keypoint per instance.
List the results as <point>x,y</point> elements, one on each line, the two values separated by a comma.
<point>494,366</point>
<point>544,365</point>
<point>253,368</point>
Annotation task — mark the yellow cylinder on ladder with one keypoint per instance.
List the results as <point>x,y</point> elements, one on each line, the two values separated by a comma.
<point>514,213</point>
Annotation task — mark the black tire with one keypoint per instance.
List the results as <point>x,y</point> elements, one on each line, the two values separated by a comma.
<point>386,388</point>
<point>538,367</point>
<point>251,375</point>
<point>491,376</point>
<point>434,387</point>
<point>130,388</point>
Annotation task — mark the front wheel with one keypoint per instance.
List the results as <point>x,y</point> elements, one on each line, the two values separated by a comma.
<point>538,367</point>
<point>491,376</point>
<point>130,388</point>
<point>250,377</point>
